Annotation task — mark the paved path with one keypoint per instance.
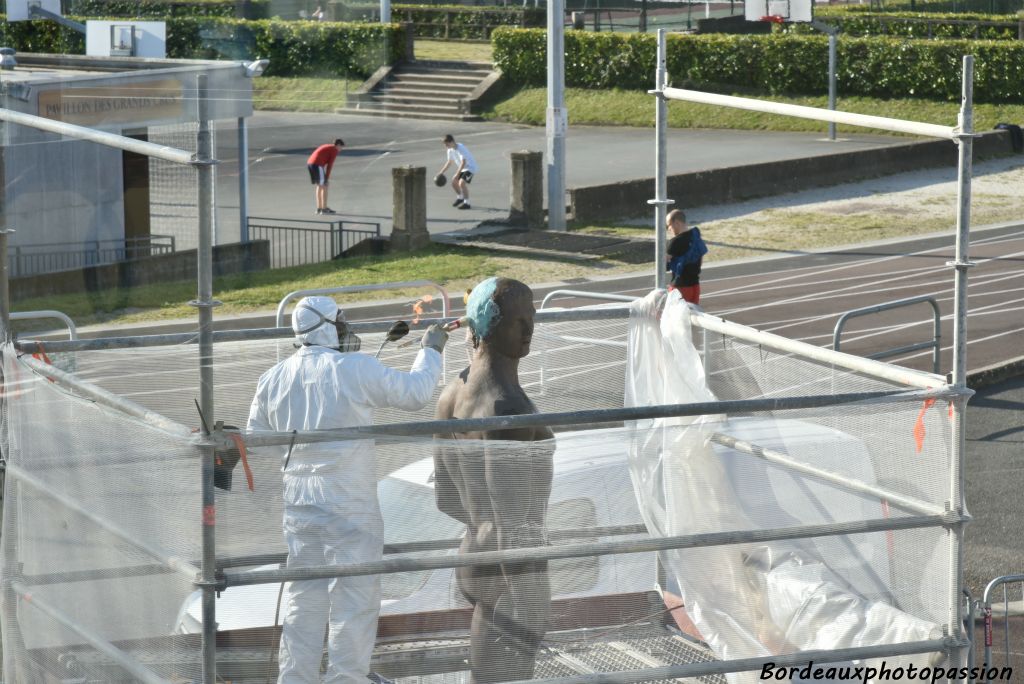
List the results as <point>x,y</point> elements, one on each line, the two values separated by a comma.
<point>279,144</point>
<point>995,470</point>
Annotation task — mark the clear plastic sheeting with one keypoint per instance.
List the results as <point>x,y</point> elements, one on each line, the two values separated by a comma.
<point>103,517</point>
<point>711,474</point>
<point>172,188</point>
<point>97,507</point>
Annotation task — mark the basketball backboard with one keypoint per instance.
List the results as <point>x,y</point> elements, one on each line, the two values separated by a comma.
<point>18,10</point>
<point>126,38</point>
<point>782,11</point>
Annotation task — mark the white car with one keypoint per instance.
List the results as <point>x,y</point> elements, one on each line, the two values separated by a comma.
<point>591,488</point>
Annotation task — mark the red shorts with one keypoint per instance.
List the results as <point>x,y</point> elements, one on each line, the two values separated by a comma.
<point>690,293</point>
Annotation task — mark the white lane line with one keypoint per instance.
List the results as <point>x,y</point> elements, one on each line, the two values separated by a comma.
<point>979,340</point>
<point>760,285</point>
<point>993,310</point>
<point>873,277</point>
<point>942,295</point>
<point>860,263</point>
<point>834,292</point>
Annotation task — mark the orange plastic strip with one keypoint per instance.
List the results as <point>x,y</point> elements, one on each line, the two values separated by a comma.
<point>919,424</point>
<point>240,445</point>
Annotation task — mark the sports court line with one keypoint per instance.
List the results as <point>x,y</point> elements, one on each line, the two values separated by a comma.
<point>819,270</point>
<point>842,290</point>
<point>866,334</point>
<point>866,261</point>
<point>970,342</point>
<point>978,261</point>
<point>942,295</point>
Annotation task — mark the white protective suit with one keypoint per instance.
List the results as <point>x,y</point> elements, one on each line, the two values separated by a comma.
<point>331,513</point>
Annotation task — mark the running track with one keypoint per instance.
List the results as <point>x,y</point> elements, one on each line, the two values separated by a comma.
<point>802,296</point>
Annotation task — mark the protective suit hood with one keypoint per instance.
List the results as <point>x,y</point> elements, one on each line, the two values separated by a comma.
<point>313,321</point>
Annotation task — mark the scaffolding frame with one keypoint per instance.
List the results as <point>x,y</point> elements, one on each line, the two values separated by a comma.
<point>208,576</point>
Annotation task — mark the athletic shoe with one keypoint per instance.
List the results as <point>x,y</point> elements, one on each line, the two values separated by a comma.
<point>319,211</point>
<point>465,205</point>
<point>328,210</point>
<point>458,202</point>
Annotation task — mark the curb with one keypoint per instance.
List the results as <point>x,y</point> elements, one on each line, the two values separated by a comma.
<point>996,373</point>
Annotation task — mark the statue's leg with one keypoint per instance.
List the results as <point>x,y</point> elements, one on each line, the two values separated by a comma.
<point>489,655</point>
<point>530,597</point>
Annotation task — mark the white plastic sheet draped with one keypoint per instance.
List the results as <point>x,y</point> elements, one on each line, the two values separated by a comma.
<point>755,600</point>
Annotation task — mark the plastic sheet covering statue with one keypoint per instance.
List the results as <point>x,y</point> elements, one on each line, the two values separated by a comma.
<point>752,600</point>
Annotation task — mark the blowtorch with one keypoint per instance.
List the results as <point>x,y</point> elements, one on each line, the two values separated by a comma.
<point>449,326</point>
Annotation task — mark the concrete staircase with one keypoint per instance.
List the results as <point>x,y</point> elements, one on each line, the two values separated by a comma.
<point>424,90</point>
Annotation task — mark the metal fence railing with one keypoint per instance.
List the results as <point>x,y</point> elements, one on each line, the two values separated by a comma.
<point>1003,651</point>
<point>294,242</point>
<point>33,259</point>
<point>934,343</point>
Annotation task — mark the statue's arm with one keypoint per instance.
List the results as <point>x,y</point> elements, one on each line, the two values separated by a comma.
<point>449,500</point>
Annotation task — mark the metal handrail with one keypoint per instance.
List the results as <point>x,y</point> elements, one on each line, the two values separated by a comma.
<point>907,377</point>
<point>39,258</point>
<point>867,310</point>
<point>282,305</point>
<point>986,604</point>
<point>28,315</point>
<point>582,295</point>
<point>586,295</point>
<point>584,550</point>
<point>304,241</point>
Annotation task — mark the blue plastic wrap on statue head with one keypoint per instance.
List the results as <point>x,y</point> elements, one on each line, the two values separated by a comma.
<point>481,309</point>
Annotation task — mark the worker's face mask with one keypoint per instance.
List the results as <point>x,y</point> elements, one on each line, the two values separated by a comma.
<point>347,340</point>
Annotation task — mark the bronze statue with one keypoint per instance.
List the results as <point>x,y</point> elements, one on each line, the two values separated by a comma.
<point>501,494</point>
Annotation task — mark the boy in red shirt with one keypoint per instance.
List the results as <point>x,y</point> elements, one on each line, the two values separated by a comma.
<point>319,165</point>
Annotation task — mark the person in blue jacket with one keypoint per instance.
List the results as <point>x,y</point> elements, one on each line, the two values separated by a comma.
<point>685,252</point>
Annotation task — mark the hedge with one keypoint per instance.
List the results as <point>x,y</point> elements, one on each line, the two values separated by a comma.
<point>254,9</point>
<point>917,24</point>
<point>448,21</point>
<point>776,63</point>
<point>1003,7</point>
<point>294,48</point>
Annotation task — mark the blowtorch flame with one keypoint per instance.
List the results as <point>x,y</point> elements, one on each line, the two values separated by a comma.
<point>417,307</point>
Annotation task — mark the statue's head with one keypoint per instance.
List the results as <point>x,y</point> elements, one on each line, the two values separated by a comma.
<point>500,312</point>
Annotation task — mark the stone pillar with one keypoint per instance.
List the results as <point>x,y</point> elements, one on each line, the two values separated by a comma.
<point>527,200</point>
<point>410,208</point>
<point>409,33</point>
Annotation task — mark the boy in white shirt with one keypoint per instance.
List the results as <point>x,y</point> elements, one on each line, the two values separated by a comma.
<point>464,171</point>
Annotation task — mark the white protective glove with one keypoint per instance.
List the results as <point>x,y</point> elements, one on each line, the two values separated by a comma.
<point>435,338</point>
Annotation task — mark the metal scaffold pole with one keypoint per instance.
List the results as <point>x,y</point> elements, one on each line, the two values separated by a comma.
<point>832,59</point>
<point>243,180</point>
<point>965,139</point>
<point>5,297</point>
<point>661,200</point>
<point>205,304</point>
<point>961,264</point>
<point>557,118</point>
